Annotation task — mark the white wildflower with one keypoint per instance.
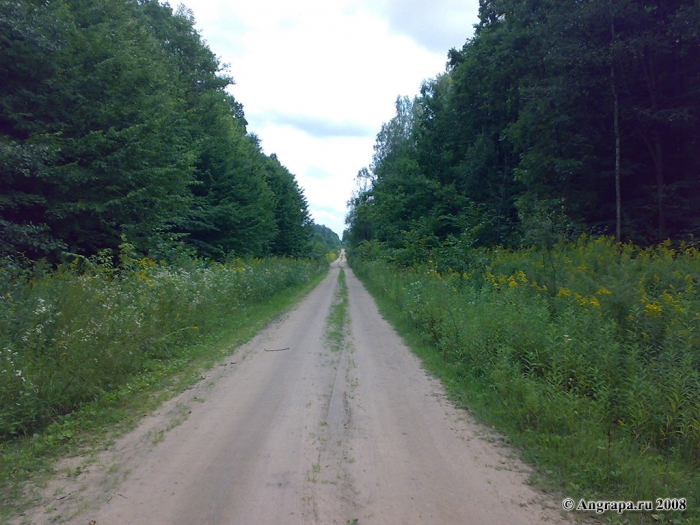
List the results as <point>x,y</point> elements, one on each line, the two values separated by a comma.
<point>41,309</point>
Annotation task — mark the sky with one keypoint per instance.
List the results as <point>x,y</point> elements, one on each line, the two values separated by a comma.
<point>318,78</point>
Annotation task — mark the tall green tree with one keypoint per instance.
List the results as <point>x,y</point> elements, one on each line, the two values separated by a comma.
<point>233,211</point>
<point>583,111</point>
<point>90,120</point>
<point>115,121</point>
<point>245,203</point>
<point>293,223</point>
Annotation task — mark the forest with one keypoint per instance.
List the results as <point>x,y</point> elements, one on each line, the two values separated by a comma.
<point>558,117</point>
<point>116,126</point>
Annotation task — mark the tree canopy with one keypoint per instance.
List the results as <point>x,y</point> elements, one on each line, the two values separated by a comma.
<point>578,115</point>
<point>324,240</point>
<point>115,123</point>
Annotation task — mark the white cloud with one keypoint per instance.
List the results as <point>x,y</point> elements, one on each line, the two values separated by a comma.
<point>317,173</point>
<point>438,25</point>
<point>315,126</point>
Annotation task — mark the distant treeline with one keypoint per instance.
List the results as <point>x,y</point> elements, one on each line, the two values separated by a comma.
<point>558,116</point>
<point>116,126</point>
<point>324,240</point>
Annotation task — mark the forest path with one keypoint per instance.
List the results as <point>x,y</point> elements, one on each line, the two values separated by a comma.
<point>292,431</point>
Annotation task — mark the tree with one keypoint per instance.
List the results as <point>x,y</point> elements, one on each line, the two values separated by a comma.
<point>101,125</point>
<point>292,219</point>
<point>324,240</point>
<point>555,108</point>
<point>115,121</point>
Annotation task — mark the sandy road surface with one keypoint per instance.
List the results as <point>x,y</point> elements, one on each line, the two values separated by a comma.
<point>291,432</point>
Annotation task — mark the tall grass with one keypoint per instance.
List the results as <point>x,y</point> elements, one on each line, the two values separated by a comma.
<point>588,355</point>
<point>70,336</point>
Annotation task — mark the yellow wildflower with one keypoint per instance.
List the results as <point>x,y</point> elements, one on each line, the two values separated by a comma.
<point>603,291</point>
<point>653,309</point>
<point>145,262</point>
<point>564,291</point>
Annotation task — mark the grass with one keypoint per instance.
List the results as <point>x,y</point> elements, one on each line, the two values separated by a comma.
<point>591,366</point>
<point>336,323</point>
<point>112,346</point>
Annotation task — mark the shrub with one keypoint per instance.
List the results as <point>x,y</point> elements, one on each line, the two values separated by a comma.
<point>71,335</point>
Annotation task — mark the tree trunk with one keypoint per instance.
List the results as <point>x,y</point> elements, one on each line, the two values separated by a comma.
<point>616,127</point>
<point>649,63</point>
<point>659,171</point>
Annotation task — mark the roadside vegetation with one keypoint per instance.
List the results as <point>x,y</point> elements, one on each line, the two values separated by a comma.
<point>586,355</point>
<point>87,346</point>
<point>337,321</point>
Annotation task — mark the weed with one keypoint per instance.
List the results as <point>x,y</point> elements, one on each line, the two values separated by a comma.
<point>336,323</point>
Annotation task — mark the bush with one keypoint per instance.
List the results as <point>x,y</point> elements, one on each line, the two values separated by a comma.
<point>71,335</point>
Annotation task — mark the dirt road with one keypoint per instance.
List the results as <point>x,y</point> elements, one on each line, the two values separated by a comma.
<point>290,431</point>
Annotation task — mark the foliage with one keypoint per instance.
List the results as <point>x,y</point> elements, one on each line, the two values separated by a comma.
<point>529,118</point>
<point>115,120</point>
<point>325,241</point>
<point>73,335</point>
<point>595,373</point>
<point>294,226</point>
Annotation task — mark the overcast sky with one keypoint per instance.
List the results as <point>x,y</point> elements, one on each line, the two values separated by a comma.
<point>318,78</point>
